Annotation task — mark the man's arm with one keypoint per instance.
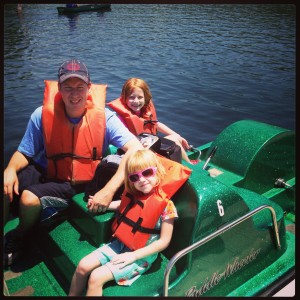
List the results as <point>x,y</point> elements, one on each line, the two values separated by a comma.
<point>101,200</point>
<point>11,183</point>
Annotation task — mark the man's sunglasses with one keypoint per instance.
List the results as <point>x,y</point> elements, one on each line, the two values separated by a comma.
<point>134,177</point>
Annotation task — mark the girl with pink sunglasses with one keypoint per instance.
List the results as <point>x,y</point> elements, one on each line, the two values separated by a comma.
<point>142,228</point>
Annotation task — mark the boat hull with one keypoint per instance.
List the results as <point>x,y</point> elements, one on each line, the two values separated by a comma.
<point>235,235</point>
<point>82,8</point>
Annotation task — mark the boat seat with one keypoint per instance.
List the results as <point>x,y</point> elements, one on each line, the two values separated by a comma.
<point>186,202</point>
<point>95,228</point>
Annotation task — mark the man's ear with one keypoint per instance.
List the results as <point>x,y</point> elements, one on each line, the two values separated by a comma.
<point>89,86</point>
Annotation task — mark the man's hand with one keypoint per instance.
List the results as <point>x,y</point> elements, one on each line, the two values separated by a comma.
<point>11,183</point>
<point>100,201</point>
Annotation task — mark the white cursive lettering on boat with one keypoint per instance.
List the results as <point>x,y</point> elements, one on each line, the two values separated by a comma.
<point>217,277</point>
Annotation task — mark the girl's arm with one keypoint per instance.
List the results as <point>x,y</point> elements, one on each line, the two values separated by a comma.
<point>172,135</point>
<point>114,205</point>
<point>161,127</point>
<point>157,246</point>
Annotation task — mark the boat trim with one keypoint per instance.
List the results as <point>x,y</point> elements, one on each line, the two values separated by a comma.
<point>225,228</point>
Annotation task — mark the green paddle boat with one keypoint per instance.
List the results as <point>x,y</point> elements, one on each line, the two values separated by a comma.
<point>235,235</point>
<point>82,7</point>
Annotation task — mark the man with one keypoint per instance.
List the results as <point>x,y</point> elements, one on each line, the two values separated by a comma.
<point>56,156</point>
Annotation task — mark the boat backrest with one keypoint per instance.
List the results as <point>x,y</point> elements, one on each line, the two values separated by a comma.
<point>257,153</point>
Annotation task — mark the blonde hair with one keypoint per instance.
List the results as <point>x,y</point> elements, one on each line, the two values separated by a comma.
<point>128,87</point>
<point>140,160</point>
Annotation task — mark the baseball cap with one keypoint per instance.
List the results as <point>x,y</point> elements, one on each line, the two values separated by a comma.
<point>73,68</point>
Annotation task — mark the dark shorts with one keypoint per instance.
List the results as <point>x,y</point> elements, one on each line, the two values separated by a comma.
<point>54,196</point>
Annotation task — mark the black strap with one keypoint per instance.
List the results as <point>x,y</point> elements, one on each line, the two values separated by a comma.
<point>72,155</point>
<point>59,156</point>
<point>120,215</point>
<point>152,122</point>
<point>136,226</point>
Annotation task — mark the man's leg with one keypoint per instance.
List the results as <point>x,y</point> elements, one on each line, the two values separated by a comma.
<point>35,202</point>
<point>6,205</point>
<point>29,211</point>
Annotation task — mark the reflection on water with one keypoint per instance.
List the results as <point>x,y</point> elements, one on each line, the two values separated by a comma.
<point>73,18</point>
<point>207,65</point>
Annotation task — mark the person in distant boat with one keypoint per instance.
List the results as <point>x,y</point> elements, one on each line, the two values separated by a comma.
<point>136,109</point>
<point>63,144</point>
<point>70,5</point>
<point>130,254</point>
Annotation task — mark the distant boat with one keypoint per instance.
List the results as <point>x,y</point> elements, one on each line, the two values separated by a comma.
<point>80,8</point>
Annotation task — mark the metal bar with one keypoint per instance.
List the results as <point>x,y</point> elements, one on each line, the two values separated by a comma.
<point>190,248</point>
<point>5,289</point>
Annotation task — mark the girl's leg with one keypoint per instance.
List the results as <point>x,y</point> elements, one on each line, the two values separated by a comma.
<point>82,272</point>
<point>97,279</point>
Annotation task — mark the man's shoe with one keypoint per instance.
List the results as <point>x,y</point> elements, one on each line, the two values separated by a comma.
<point>13,247</point>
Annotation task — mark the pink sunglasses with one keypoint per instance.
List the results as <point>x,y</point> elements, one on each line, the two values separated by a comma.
<point>134,177</point>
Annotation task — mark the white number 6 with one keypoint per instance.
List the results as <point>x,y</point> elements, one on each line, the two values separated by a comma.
<point>220,208</point>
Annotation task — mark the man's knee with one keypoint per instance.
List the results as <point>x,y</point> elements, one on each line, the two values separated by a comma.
<point>29,199</point>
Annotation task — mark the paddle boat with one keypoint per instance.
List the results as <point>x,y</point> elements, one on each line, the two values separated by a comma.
<point>235,235</point>
<point>82,7</point>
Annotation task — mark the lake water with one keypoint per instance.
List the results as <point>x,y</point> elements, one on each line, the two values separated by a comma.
<point>207,65</point>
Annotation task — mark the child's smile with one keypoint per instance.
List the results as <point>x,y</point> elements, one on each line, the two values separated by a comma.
<point>136,100</point>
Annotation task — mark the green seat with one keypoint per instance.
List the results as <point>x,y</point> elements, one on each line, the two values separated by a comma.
<point>95,228</point>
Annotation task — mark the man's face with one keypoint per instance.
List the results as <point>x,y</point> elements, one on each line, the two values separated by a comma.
<point>74,93</point>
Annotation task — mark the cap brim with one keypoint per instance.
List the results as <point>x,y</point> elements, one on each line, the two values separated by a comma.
<point>67,76</point>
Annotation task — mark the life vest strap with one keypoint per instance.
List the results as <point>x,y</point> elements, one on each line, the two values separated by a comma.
<point>152,122</point>
<point>59,156</point>
<point>120,215</point>
<point>72,155</point>
<point>136,226</point>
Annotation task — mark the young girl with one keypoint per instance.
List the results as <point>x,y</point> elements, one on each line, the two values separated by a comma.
<point>129,254</point>
<point>137,111</point>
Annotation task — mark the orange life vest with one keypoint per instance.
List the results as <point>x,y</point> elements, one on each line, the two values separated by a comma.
<point>135,124</point>
<point>136,218</point>
<point>73,150</point>
<point>129,226</point>
<point>176,175</point>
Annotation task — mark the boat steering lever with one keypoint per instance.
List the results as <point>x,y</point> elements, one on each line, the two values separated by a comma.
<point>280,183</point>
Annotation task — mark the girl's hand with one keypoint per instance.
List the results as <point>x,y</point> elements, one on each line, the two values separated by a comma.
<point>100,201</point>
<point>124,259</point>
<point>184,143</point>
